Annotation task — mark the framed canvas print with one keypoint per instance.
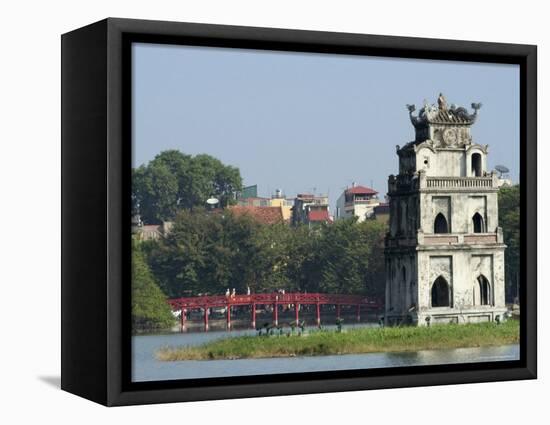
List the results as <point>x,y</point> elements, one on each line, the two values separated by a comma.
<point>253,212</point>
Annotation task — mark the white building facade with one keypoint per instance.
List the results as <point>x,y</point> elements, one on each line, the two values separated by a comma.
<point>444,252</point>
<point>357,201</point>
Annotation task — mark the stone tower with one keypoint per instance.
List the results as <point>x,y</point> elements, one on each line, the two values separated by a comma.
<point>444,252</point>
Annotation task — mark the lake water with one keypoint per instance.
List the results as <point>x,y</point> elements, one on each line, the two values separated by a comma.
<point>147,368</point>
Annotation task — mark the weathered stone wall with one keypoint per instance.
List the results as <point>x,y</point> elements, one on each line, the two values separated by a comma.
<point>459,209</point>
<point>401,288</point>
<point>447,162</point>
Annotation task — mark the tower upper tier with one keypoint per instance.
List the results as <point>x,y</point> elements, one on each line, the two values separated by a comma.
<point>443,143</point>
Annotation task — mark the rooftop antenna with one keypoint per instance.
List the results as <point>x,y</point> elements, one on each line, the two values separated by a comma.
<point>502,170</point>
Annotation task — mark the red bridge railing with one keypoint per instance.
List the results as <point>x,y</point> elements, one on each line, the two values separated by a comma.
<point>275,300</point>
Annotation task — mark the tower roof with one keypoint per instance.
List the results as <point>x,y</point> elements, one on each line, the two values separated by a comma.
<point>442,114</point>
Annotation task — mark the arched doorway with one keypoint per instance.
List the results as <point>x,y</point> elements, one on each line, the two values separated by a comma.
<point>476,164</point>
<point>440,224</point>
<point>484,290</point>
<point>441,294</point>
<point>405,287</point>
<point>478,223</point>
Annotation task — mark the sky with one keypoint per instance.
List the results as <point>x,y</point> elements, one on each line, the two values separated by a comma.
<point>306,122</point>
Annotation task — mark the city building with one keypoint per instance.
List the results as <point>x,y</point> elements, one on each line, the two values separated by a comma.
<point>249,198</point>
<point>357,201</point>
<point>444,252</point>
<point>248,192</point>
<point>253,202</point>
<point>309,208</point>
<point>279,200</point>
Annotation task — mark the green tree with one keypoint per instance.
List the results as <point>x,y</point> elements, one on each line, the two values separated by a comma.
<point>374,233</point>
<point>304,254</point>
<point>270,258</point>
<point>173,181</point>
<point>347,257</point>
<point>149,307</point>
<point>205,253</point>
<point>209,252</point>
<point>210,177</point>
<point>509,220</point>
<point>155,192</point>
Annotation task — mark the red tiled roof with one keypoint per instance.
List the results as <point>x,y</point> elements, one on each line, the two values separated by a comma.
<point>361,190</point>
<point>265,215</point>
<point>318,215</point>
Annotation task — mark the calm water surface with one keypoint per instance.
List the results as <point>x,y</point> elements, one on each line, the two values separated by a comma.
<point>147,368</point>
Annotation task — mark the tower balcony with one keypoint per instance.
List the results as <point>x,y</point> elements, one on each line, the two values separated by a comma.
<point>446,239</point>
<point>420,181</point>
<point>450,239</point>
<point>460,183</point>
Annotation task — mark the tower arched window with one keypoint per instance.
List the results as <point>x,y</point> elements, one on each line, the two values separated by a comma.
<point>476,164</point>
<point>440,224</point>
<point>484,290</point>
<point>478,223</point>
<point>441,293</point>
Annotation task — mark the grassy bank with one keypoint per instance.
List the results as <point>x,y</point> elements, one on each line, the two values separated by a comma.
<point>353,341</point>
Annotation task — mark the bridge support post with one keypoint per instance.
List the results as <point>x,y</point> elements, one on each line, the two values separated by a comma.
<point>318,308</point>
<point>182,320</point>
<point>296,313</point>
<point>337,311</point>
<point>358,313</point>
<point>276,314</point>
<point>253,312</point>
<point>206,318</point>
<point>229,316</point>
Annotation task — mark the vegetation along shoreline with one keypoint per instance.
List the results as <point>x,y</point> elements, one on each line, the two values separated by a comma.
<point>290,343</point>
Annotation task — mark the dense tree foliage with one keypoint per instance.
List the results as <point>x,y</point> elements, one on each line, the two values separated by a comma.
<point>149,307</point>
<point>213,252</point>
<point>174,181</point>
<point>509,220</point>
<point>204,252</point>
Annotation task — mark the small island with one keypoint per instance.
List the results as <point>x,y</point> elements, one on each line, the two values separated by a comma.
<point>280,342</point>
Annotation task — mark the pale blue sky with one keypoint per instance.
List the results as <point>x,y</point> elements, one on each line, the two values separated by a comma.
<point>302,121</point>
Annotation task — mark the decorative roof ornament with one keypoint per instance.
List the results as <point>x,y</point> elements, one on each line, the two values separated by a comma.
<point>442,102</point>
<point>442,114</point>
<point>476,106</point>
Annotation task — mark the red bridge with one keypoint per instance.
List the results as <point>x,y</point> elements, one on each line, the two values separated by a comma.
<point>273,301</point>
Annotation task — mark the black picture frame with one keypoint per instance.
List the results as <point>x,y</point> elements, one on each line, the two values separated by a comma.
<point>96,211</point>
